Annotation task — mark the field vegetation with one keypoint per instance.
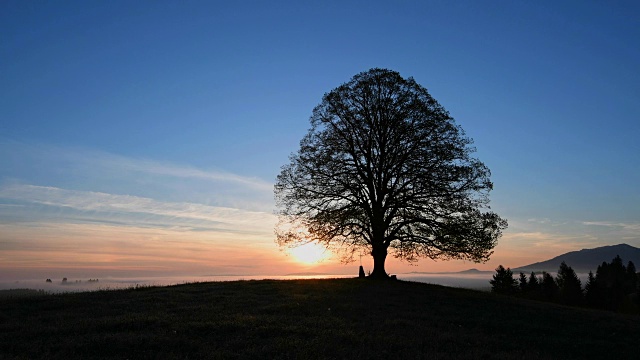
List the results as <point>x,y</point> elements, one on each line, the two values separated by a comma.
<point>307,319</point>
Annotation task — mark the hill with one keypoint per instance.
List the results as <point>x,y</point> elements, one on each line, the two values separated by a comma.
<point>586,260</point>
<point>473,271</point>
<point>307,319</point>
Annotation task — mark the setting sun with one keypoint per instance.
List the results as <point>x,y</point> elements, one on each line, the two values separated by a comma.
<point>310,253</point>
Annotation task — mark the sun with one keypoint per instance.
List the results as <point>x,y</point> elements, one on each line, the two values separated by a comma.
<point>310,253</point>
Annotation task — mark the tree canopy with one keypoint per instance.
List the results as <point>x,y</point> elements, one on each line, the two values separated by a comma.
<point>384,167</point>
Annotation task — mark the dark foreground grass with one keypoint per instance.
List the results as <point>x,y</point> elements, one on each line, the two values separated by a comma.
<point>306,319</point>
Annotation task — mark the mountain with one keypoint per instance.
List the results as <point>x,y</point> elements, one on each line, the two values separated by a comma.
<point>473,271</point>
<point>586,260</point>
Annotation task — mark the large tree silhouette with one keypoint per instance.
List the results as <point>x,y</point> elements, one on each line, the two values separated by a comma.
<point>385,167</point>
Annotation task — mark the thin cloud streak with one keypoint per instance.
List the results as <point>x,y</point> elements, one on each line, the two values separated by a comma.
<point>633,227</point>
<point>110,205</point>
<point>100,214</point>
<point>159,168</point>
<point>92,170</point>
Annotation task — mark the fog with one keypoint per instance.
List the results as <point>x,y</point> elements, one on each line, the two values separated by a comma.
<point>478,281</point>
<point>470,281</point>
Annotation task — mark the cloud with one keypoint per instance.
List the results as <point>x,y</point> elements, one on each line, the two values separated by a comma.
<point>95,212</point>
<point>631,227</point>
<point>547,242</point>
<point>540,221</point>
<point>45,230</point>
<point>627,232</point>
<point>45,202</point>
<point>98,171</point>
<point>118,162</point>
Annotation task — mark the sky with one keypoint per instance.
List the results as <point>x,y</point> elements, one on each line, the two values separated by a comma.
<point>144,138</point>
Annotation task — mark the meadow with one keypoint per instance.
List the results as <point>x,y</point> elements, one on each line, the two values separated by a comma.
<point>307,319</point>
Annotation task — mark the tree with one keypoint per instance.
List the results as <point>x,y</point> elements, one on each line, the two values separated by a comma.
<point>548,287</point>
<point>631,279</point>
<point>569,286</point>
<point>385,168</point>
<point>592,293</point>
<point>611,277</point>
<point>607,289</point>
<point>524,286</point>
<point>503,281</point>
<point>534,284</point>
<point>613,285</point>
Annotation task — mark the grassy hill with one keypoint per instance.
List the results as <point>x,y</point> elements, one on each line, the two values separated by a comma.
<point>306,319</point>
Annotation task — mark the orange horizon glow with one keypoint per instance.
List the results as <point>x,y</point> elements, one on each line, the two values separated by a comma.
<point>99,250</point>
<point>116,234</point>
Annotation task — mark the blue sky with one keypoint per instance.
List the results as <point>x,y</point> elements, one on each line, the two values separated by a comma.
<point>161,120</point>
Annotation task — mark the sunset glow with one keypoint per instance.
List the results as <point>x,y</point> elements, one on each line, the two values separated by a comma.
<point>310,253</point>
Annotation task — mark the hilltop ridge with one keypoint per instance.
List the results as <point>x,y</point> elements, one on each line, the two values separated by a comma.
<point>307,319</point>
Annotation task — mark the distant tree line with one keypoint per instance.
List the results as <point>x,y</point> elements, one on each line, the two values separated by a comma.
<point>614,286</point>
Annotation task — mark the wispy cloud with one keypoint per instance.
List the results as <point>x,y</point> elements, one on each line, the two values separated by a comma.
<point>98,171</point>
<point>546,242</point>
<point>92,211</point>
<point>109,208</point>
<point>118,162</point>
<point>44,228</point>
<point>539,221</point>
<point>628,232</point>
<point>632,227</point>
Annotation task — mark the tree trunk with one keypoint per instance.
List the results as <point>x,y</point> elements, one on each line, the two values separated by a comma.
<point>379,257</point>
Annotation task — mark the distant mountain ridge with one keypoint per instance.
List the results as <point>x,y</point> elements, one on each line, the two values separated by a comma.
<point>466,272</point>
<point>586,260</point>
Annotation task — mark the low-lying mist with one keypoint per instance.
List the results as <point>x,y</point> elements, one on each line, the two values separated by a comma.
<point>470,281</point>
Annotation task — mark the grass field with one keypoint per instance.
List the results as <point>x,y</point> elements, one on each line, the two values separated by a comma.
<point>307,319</point>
